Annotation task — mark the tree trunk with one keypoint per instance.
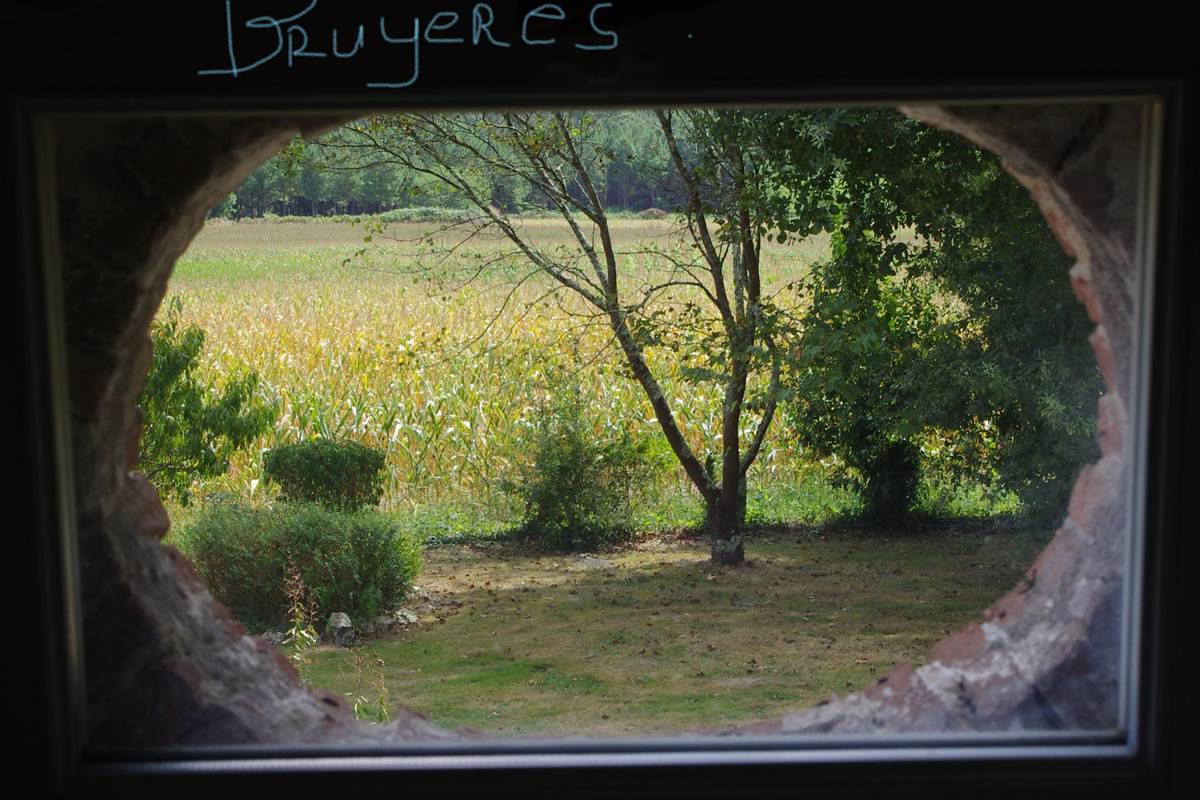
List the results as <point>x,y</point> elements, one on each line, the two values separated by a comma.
<point>892,479</point>
<point>726,525</point>
<point>727,516</point>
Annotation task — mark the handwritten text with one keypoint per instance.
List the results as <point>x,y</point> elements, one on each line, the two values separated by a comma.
<point>289,39</point>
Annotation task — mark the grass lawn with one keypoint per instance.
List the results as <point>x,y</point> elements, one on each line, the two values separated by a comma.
<point>653,639</point>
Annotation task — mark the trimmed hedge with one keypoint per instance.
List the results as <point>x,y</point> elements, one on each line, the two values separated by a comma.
<point>357,562</point>
<point>342,475</point>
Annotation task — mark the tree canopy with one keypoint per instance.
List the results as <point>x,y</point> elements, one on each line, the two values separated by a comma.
<point>943,306</point>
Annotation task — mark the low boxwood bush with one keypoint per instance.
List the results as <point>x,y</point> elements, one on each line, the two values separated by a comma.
<point>358,562</point>
<point>343,475</point>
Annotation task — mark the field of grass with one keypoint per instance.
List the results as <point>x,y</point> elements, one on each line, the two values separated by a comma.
<point>654,639</point>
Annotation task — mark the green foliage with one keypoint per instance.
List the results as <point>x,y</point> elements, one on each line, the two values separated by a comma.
<point>324,177</point>
<point>357,562</point>
<point>944,323</point>
<point>804,496</point>
<point>226,209</point>
<point>1008,377</point>
<point>302,616</point>
<point>579,488</point>
<point>941,497</point>
<point>342,475</point>
<point>871,372</point>
<point>192,429</point>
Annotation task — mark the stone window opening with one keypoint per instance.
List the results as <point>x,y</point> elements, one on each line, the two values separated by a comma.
<point>168,666</point>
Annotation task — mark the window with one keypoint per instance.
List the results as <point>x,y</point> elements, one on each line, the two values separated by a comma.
<point>781,759</point>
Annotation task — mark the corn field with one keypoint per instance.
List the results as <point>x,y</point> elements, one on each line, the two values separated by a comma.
<point>443,375</point>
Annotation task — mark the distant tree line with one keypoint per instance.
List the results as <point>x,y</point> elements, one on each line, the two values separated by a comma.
<point>311,179</point>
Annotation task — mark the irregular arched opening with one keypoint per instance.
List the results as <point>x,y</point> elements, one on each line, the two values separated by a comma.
<point>166,664</point>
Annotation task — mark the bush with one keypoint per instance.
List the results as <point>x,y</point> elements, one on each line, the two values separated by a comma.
<point>579,488</point>
<point>191,429</point>
<point>357,562</point>
<point>226,209</point>
<point>342,475</point>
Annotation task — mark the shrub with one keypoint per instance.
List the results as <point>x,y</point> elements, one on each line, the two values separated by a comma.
<point>579,488</point>
<point>191,429</point>
<point>357,562</point>
<point>653,213</point>
<point>341,475</point>
<point>226,209</point>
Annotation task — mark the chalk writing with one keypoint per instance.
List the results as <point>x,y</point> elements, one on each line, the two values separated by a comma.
<point>547,11</point>
<point>613,40</point>
<point>292,37</point>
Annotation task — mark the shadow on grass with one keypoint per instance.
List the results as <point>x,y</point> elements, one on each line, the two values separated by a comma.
<point>655,639</point>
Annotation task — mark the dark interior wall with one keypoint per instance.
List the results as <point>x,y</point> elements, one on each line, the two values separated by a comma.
<point>166,663</point>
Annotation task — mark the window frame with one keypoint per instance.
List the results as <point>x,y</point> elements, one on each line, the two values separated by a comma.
<point>945,764</point>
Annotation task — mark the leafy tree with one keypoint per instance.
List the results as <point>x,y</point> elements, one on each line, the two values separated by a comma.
<point>311,178</point>
<point>941,311</point>
<point>191,429</point>
<point>638,160</point>
<point>704,303</point>
<point>344,190</point>
<point>313,186</point>
<point>226,209</point>
<point>875,368</point>
<point>944,304</point>
<point>379,187</point>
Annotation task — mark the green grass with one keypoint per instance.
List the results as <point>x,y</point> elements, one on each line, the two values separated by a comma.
<point>653,639</point>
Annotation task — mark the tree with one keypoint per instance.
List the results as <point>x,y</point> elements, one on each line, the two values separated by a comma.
<point>191,430</point>
<point>703,301</point>
<point>878,364</point>
<point>944,304</point>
